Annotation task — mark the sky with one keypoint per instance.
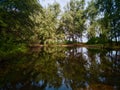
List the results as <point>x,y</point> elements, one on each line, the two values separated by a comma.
<point>62,3</point>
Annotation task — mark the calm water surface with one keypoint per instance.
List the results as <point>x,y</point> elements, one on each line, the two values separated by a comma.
<point>58,68</point>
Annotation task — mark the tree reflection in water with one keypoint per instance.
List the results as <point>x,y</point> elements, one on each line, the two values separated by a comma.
<point>51,68</point>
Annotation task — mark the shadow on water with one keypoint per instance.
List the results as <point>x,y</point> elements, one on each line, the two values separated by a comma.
<point>55,68</point>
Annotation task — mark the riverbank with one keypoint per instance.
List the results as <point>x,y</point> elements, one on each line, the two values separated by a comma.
<point>97,46</point>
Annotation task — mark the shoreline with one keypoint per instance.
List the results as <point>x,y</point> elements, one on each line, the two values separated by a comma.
<point>96,46</point>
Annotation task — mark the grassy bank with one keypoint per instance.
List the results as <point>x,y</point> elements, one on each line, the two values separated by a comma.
<point>7,50</point>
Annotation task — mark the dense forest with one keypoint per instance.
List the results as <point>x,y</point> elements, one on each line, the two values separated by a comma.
<point>25,22</point>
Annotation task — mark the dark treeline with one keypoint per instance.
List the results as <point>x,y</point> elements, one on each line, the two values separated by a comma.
<point>24,22</point>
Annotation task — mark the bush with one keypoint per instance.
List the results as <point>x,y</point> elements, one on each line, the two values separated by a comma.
<point>7,50</point>
<point>97,40</point>
<point>70,42</point>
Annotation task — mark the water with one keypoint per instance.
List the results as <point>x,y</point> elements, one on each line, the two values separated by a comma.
<point>55,68</point>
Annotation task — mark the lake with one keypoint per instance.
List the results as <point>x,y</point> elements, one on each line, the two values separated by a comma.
<point>61,68</point>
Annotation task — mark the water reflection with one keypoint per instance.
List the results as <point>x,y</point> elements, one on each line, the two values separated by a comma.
<point>55,68</point>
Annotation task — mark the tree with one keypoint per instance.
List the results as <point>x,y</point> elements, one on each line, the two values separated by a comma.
<point>91,13</point>
<point>46,30</point>
<point>74,19</point>
<point>15,23</point>
<point>106,14</point>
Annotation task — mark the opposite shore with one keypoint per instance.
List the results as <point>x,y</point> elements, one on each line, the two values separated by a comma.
<point>96,46</point>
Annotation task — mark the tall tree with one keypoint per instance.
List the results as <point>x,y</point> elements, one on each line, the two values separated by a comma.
<point>107,16</point>
<point>15,22</point>
<point>74,19</point>
<point>46,32</point>
<point>91,13</point>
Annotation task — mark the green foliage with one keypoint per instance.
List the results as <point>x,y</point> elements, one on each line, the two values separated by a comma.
<point>25,21</point>
<point>9,50</point>
<point>14,19</point>
<point>70,42</point>
<point>46,30</point>
<point>73,19</point>
<point>16,26</point>
<point>97,40</point>
<point>104,19</point>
